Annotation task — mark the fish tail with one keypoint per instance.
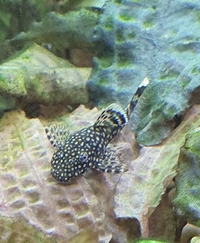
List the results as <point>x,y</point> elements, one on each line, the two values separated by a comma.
<point>136,96</point>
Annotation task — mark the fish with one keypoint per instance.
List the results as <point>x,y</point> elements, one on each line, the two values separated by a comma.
<point>89,148</point>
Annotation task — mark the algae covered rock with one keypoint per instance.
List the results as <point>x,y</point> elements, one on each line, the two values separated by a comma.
<point>136,46</point>
<point>187,201</point>
<point>6,103</point>
<point>148,39</point>
<point>36,75</point>
<point>131,40</point>
<point>79,212</point>
<point>28,193</point>
<point>11,231</point>
<point>71,30</point>
<point>139,193</point>
<point>77,4</point>
<point>150,241</point>
<point>84,209</point>
<point>17,16</point>
<point>161,107</point>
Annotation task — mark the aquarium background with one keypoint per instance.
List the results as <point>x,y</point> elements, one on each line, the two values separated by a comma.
<point>65,61</point>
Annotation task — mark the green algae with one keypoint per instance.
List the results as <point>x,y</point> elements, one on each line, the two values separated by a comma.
<point>36,75</point>
<point>119,36</point>
<point>150,241</point>
<point>152,120</point>
<point>142,49</point>
<point>12,80</point>
<point>16,231</point>
<point>187,201</point>
<point>103,81</point>
<point>149,22</point>
<point>125,17</point>
<point>118,1</point>
<point>195,70</point>
<point>6,103</point>
<point>71,30</point>
<point>192,143</point>
<point>109,24</point>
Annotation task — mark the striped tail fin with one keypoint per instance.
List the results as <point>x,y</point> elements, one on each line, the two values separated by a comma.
<point>136,96</point>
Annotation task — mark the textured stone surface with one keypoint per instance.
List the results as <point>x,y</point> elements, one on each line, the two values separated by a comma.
<point>16,230</point>
<point>188,179</point>
<point>155,114</point>
<point>36,75</point>
<point>71,30</point>
<point>131,41</point>
<point>140,190</point>
<point>144,38</point>
<point>29,193</point>
<point>96,206</point>
<point>148,39</point>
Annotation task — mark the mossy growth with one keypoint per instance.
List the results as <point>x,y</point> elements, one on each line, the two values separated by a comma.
<point>169,73</point>
<point>119,36</point>
<point>105,62</point>
<point>148,22</point>
<point>153,8</point>
<point>195,70</point>
<point>109,24</point>
<point>125,17</point>
<point>103,81</point>
<point>150,241</point>
<point>188,179</point>
<point>197,15</point>
<point>118,1</point>
<point>193,143</point>
<point>16,231</point>
<point>123,62</point>
<point>124,58</point>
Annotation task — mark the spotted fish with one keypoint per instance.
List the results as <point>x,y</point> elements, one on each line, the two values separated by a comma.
<point>89,147</point>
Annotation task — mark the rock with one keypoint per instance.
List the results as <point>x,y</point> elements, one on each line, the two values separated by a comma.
<point>7,103</point>
<point>195,240</point>
<point>36,75</point>
<point>132,40</point>
<point>138,41</point>
<point>188,179</point>
<point>148,39</point>
<point>160,108</point>
<point>71,30</point>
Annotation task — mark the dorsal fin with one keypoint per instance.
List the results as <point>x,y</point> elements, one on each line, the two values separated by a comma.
<point>136,96</point>
<point>57,134</point>
<point>112,119</point>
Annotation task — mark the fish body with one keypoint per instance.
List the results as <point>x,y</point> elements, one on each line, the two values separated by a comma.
<point>89,147</point>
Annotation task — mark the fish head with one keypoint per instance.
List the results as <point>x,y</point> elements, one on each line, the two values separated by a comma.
<point>69,162</point>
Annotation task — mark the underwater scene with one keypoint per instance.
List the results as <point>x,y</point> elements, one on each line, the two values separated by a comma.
<point>99,121</point>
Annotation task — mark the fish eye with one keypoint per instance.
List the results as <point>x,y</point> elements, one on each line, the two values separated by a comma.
<point>83,157</point>
<point>60,155</point>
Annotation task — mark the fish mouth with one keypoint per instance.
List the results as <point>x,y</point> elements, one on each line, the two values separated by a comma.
<point>60,177</point>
